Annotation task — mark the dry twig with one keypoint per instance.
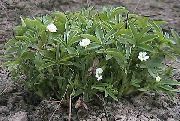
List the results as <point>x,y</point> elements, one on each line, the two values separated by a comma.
<point>59,103</point>
<point>70,107</point>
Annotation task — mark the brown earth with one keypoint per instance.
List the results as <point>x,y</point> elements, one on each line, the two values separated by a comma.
<point>17,104</point>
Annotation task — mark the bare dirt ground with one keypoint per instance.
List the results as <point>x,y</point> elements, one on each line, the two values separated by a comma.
<point>17,104</point>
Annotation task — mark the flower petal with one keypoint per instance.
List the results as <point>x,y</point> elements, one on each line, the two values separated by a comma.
<point>51,27</point>
<point>84,42</point>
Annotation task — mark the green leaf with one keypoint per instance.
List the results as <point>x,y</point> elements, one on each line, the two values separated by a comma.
<point>117,11</point>
<point>110,93</point>
<point>103,16</point>
<point>46,65</point>
<point>165,87</point>
<point>143,89</point>
<point>22,38</point>
<point>106,91</point>
<point>148,38</point>
<point>58,54</point>
<point>101,89</point>
<point>170,82</point>
<point>34,24</point>
<point>134,31</point>
<point>99,33</point>
<point>20,30</point>
<point>66,58</point>
<point>157,30</point>
<point>146,47</point>
<point>60,21</point>
<point>93,46</point>
<point>73,40</point>
<point>126,40</point>
<point>59,17</point>
<point>110,34</point>
<point>27,55</point>
<point>71,50</point>
<point>136,82</point>
<point>116,54</point>
<point>176,37</point>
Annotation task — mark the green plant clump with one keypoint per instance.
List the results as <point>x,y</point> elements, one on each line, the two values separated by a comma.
<point>111,51</point>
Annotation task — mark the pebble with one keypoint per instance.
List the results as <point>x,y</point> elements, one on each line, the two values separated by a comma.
<point>19,116</point>
<point>4,109</point>
<point>171,119</point>
<point>98,119</point>
<point>120,117</point>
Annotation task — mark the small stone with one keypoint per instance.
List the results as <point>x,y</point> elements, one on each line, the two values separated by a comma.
<point>4,109</point>
<point>143,118</point>
<point>90,120</point>
<point>104,119</point>
<point>19,116</point>
<point>94,117</point>
<point>170,119</point>
<point>4,119</point>
<point>152,120</point>
<point>132,118</point>
<point>120,118</point>
<point>147,107</point>
<point>98,119</point>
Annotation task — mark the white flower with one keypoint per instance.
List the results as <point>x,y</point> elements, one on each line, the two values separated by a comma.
<point>51,27</point>
<point>99,78</point>
<point>142,56</point>
<point>84,42</point>
<point>158,79</point>
<point>99,72</point>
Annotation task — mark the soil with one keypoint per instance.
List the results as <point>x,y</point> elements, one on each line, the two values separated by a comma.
<point>18,104</point>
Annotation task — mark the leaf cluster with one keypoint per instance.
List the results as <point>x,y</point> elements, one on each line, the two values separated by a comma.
<point>52,61</point>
